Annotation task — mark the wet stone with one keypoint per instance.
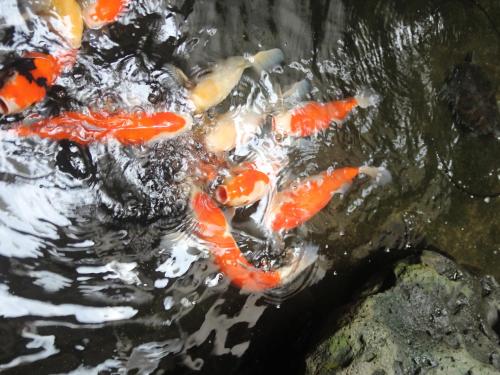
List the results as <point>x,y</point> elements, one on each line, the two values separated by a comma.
<point>409,328</point>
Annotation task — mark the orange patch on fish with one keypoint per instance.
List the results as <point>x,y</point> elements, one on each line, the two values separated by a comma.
<point>28,85</point>
<point>102,12</point>
<point>212,227</point>
<point>127,128</point>
<point>246,186</point>
<point>294,206</point>
<point>142,127</point>
<point>312,117</point>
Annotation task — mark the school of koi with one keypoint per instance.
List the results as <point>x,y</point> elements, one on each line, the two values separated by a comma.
<point>28,79</point>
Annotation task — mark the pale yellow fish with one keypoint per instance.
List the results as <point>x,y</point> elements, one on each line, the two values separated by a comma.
<point>232,129</point>
<point>69,22</point>
<point>214,87</point>
<point>63,16</point>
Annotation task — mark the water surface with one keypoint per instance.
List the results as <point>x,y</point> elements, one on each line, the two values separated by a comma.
<point>94,278</point>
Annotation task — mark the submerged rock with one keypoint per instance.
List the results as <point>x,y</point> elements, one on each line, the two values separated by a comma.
<point>471,96</point>
<point>436,319</point>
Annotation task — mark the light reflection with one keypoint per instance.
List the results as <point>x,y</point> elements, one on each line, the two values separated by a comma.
<point>12,306</point>
<point>51,282</point>
<point>179,259</point>
<point>45,345</point>
<point>114,270</point>
<point>106,366</point>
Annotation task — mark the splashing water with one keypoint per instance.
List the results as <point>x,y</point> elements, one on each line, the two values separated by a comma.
<point>99,270</point>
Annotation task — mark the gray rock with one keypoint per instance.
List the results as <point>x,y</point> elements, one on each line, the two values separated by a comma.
<point>436,319</point>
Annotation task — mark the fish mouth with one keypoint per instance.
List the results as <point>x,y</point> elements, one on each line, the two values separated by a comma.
<point>221,194</point>
<point>4,109</point>
<point>8,106</point>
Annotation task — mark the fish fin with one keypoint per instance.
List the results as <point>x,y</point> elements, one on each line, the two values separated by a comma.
<point>178,75</point>
<point>380,174</point>
<point>367,98</point>
<point>296,93</point>
<point>266,60</point>
<point>229,214</point>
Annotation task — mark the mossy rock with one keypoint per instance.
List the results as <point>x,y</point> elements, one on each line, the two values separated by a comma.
<point>436,319</point>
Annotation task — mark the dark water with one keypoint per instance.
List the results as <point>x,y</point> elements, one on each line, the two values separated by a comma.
<point>95,273</point>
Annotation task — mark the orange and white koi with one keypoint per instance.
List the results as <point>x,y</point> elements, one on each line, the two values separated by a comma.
<point>98,13</point>
<point>212,88</point>
<point>127,128</point>
<point>245,186</point>
<point>313,117</point>
<point>213,229</point>
<point>300,202</point>
<point>28,80</point>
<point>232,129</point>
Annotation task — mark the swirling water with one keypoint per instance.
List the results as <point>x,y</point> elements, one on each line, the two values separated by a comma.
<point>98,274</point>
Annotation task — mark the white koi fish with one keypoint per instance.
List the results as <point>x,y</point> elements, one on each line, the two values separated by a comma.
<point>215,86</point>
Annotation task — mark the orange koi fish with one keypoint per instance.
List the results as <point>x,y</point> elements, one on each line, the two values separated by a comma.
<point>128,128</point>
<point>313,117</point>
<point>245,186</point>
<point>98,13</point>
<point>213,228</point>
<point>27,81</point>
<point>294,206</point>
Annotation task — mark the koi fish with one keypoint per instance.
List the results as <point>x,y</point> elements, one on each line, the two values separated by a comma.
<point>313,117</point>
<point>215,86</point>
<point>213,229</point>
<point>232,129</point>
<point>300,202</point>
<point>98,13</point>
<point>245,186</point>
<point>237,128</point>
<point>27,81</point>
<point>128,128</point>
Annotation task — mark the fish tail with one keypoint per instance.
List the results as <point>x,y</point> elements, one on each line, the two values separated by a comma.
<point>267,60</point>
<point>296,93</point>
<point>380,174</point>
<point>367,98</point>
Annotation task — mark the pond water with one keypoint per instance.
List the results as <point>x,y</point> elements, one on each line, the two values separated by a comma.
<point>97,273</point>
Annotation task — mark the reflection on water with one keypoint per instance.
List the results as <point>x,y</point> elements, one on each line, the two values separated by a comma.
<point>98,272</point>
